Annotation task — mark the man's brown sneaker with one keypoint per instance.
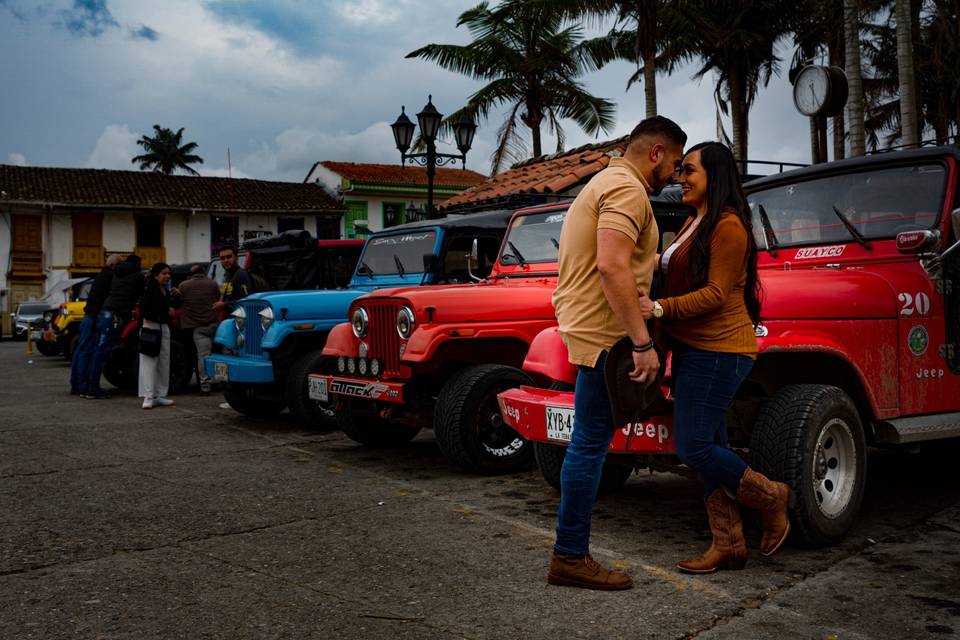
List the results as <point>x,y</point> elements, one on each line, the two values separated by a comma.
<point>585,572</point>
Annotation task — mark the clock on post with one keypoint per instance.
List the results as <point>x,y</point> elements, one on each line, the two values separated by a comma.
<point>820,92</point>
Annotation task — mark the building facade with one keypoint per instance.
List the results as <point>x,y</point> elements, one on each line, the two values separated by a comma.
<point>63,223</point>
<point>376,196</point>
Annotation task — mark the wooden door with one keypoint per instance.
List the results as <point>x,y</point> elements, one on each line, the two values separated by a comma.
<point>87,242</point>
<point>150,240</point>
<point>26,263</point>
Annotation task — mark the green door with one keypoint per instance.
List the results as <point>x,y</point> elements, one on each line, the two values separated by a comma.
<point>355,224</point>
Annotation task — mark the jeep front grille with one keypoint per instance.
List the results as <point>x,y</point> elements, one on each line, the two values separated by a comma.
<point>382,334</point>
<point>252,329</point>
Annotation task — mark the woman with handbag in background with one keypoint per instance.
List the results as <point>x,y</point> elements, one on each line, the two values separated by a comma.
<point>708,276</point>
<point>155,306</point>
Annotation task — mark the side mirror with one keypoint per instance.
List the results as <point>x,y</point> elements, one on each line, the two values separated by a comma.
<point>918,241</point>
<point>431,262</point>
<point>473,260</point>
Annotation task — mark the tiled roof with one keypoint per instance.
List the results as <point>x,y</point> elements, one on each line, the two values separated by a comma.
<point>396,174</point>
<point>156,191</point>
<point>547,174</point>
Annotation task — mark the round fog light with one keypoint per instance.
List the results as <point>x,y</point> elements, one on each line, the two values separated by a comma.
<point>362,366</point>
<point>341,364</point>
<point>374,367</point>
<point>351,365</point>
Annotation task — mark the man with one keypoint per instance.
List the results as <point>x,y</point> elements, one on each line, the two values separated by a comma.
<point>236,281</point>
<point>199,295</point>
<point>86,337</point>
<point>608,248</point>
<point>125,291</point>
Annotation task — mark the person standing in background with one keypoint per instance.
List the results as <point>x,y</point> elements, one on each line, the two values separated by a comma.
<point>236,282</point>
<point>155,306</point>
<point>125,289</point>
<point>86,338</point>
<point>199,296</point>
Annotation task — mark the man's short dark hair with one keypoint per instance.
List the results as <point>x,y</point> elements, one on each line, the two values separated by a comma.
<point>227,247</point>
<point>197,269</point>
<point>659,127</point>
<point>133,259</point>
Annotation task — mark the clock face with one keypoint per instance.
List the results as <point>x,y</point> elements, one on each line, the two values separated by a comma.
<point>811,90</point>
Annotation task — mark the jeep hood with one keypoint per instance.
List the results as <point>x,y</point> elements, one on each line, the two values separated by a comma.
<point>516,300</point>
<point>825,294</point>
<point>310,305</point>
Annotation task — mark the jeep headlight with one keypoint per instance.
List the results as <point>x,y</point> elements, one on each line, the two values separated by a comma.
<point>266,318</point>
<point>239,318</point>
<point>405,322</point>
<point>360,322</point>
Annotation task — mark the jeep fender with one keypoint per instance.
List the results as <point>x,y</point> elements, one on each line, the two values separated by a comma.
<point>825,344</point>
<point>548,357</point>
<point>341,341</point>
<point>226,335</point>
<point>425,341</point>
<point>278,332</point>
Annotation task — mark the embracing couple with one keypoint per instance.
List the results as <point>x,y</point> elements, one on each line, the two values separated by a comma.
<point>707,306</point>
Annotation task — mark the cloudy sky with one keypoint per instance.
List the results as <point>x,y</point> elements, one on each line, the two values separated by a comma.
<point>282,83</point>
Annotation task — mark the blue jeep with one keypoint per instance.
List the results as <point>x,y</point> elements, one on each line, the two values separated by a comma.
<point>274,339</point>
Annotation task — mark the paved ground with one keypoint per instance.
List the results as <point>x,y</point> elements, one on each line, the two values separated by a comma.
<point>193,522</point>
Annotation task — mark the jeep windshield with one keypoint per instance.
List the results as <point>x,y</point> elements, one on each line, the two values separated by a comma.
<point>877,203</point>
<point>533,239</point>
<point>396,255</point>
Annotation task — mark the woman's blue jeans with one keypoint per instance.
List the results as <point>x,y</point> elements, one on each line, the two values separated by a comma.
<point>704,384</point>
<point>593,429</point>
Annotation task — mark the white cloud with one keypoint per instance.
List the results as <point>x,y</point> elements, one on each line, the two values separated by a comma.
<point>17,159</point>
<point>220,172</point>
<point>114,149</point>
<point>369,11</point>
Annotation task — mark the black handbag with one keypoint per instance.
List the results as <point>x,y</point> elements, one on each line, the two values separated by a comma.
<point>150,340</point>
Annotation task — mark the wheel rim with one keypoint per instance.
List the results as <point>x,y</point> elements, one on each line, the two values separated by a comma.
<point>496,437</point>
<point>834,467</point>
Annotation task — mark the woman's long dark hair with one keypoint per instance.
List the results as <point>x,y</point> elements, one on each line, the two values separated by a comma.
<point>724,194</point>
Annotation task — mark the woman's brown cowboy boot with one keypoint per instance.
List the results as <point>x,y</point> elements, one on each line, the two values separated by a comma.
<point>771,499</point>
<point>729,549</point>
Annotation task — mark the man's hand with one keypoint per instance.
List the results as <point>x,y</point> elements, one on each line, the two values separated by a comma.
<point>645,366</point>
<point>219,304</point>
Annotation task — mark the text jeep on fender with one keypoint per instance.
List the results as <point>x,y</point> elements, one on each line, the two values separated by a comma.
<point>444,353</point>
<point>858,340</point>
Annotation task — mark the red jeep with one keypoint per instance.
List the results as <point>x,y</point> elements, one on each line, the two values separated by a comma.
<point>858,339</point>
<point>437,356</point>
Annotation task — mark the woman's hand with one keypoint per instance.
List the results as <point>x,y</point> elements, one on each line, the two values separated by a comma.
<point>646,304</point>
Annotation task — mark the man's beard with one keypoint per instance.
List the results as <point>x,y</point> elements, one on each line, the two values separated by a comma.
<point>659,182</point>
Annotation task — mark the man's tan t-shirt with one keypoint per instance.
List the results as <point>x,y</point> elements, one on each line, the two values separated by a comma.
<point>616,198</point>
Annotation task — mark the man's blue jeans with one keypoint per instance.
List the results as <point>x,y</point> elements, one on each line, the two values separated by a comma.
<point>105,339</point>
<point>593,429</point>
<point>80,361</point>
<point>704,384</point>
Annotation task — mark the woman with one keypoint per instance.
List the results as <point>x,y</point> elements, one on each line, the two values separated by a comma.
<point>155,308</point>
<point>708,307</point>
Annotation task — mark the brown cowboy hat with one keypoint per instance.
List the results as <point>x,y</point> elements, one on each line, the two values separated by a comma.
<point>631,401</point>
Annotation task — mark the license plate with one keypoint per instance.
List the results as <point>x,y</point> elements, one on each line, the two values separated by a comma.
<point>220,372</point>
<point>36,336</point>
<point>559,423</point>
<point>317,389</point>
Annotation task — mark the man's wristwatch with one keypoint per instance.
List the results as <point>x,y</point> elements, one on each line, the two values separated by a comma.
<point>657,310</point>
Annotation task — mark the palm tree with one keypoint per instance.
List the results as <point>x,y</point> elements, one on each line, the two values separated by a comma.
<point>905,72</point>
<point>855,104</point>
<point>736,40</point>
<point>530,59</point>
<point>164,152</point>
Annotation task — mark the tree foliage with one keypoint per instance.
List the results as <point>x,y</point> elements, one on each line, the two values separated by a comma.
<point>165,153</point>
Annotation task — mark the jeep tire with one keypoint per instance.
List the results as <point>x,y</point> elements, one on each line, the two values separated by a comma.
<point>810,437</point>
<point>122,368</point>
<point>361,424</point>
<point>550,457</point>
<point>240,397</point>
<point>467,422</point>
<point>307,411</point>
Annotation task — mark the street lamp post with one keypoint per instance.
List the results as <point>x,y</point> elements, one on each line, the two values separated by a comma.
<point>429,120</point>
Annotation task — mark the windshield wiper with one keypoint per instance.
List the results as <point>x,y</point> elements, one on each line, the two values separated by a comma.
<point>768,234</point>
<point>853,230</point>
<point>516,253</point>
<point>365,267</point>
<point>399,264</point>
